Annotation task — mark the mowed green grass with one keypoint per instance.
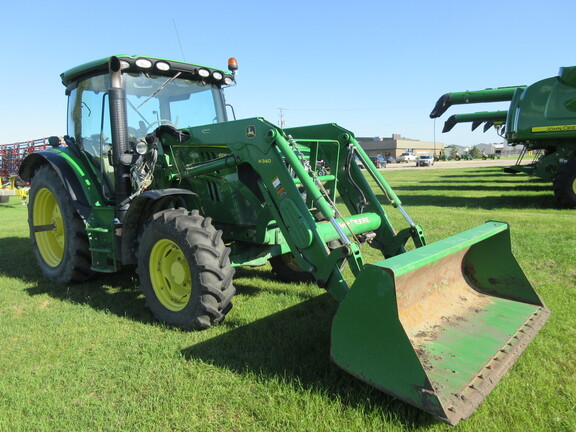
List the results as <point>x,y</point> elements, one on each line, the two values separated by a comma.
<point>90,357</point>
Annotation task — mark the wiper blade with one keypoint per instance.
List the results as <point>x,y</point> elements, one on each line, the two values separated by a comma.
<point>168,81</point>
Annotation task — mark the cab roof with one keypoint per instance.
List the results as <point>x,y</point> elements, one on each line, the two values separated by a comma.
<point>155,65</point>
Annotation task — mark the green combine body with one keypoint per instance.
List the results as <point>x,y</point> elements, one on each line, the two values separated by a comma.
<point>153,174</point>
<point>541,118</point>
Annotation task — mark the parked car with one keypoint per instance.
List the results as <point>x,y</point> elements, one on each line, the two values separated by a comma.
<point>425,160</point>
<point>378,161</point>
<point>390,159</point>
<point>407,157</point>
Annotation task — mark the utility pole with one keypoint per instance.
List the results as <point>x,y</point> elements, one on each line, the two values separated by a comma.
<point>281,121</point>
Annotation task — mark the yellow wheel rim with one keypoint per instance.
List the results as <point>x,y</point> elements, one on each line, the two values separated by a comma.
<point>47,217</point>
<point>170,275</point>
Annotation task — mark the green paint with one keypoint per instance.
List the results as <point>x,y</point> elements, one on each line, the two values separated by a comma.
<point>385,334</point>
<point>459,354</point>
<point>91,190</point>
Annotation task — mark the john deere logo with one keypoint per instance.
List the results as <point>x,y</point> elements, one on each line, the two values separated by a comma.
<point>250,132</point>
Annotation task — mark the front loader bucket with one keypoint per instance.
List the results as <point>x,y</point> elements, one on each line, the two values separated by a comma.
<point>438,326</point>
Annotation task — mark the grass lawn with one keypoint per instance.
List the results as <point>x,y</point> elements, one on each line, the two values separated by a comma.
<point>90,357</point>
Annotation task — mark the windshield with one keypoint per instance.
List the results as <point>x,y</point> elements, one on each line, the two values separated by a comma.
<point>151,100</point>
<point>154,100</point>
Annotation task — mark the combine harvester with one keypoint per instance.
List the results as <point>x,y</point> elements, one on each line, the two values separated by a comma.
<point>155,175</point>
<point>541,117</point>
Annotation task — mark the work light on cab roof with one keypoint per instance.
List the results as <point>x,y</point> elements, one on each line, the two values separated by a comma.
<point>203,73</point>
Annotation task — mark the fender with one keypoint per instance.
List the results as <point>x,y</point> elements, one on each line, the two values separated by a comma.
<point>84,194</point>
<point>141,210</point>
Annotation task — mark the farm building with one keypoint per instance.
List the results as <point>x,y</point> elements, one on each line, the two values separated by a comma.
<point>396,145</point>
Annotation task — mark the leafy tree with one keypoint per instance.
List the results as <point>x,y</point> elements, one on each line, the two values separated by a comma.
<point>475,152</point>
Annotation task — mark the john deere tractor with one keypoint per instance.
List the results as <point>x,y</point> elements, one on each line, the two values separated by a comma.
<point>153,174</point>
<point>541,118</point>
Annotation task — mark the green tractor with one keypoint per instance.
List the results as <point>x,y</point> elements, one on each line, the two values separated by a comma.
<point>541,118</point>
<point>154,175</point>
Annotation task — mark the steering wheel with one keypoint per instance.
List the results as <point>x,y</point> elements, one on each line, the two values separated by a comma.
<point>161,121</point>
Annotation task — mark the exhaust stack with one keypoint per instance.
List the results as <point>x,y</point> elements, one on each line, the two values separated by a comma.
<point>120,146</point>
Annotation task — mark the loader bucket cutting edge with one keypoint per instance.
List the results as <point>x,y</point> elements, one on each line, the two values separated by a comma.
<point>440,325</point>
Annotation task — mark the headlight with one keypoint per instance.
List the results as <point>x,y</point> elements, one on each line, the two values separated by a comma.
<point>141,147</point>
<point>204,73</point>
<point>228,80</point>
<point>217,75</point>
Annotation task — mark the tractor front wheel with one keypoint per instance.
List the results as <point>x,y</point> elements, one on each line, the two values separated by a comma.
<point>565,185</point>
<point>184,270</point>
<point>58,234</point>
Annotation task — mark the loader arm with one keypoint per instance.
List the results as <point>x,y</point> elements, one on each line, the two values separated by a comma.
<point>275,161</point>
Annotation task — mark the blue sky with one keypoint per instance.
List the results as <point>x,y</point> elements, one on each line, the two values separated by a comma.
<point>374,67</point>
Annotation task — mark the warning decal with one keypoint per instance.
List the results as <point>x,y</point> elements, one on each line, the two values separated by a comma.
<point>279,188</point>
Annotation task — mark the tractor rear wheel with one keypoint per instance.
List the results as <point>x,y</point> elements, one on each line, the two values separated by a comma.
<point>565,185</point>
<point>288,270</point>
<point>58,234</point>
<point>184,270</point>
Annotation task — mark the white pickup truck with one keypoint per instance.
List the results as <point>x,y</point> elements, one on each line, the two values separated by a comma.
<point>407,157</point>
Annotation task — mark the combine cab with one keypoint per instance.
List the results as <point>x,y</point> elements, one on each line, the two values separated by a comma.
<point>165,181</point>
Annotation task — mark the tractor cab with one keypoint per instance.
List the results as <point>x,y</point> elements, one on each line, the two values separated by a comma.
<point>157,92</point>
